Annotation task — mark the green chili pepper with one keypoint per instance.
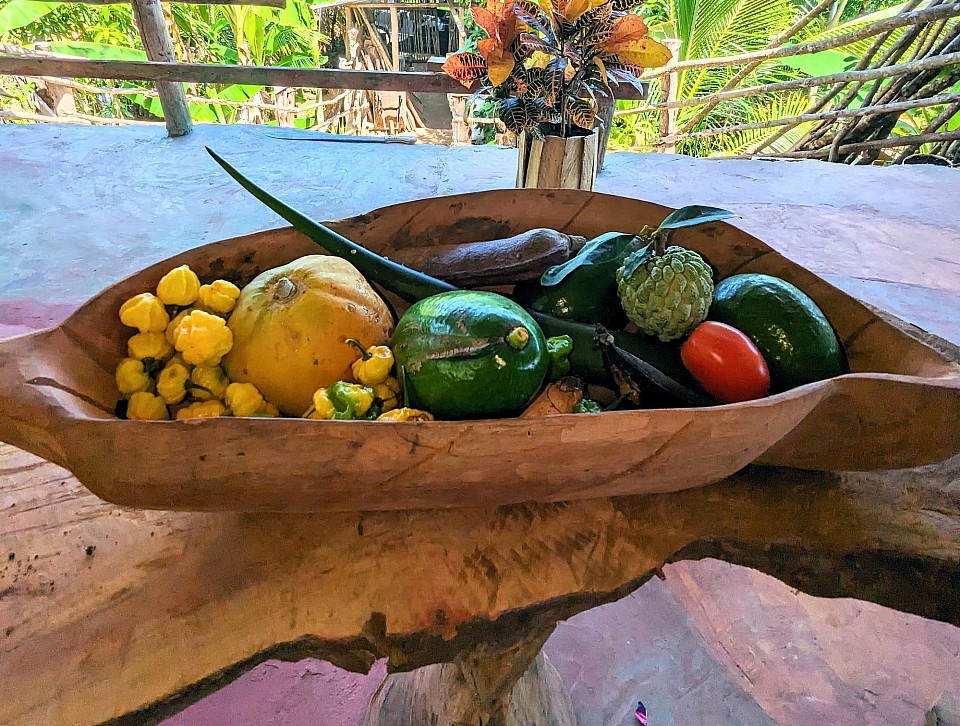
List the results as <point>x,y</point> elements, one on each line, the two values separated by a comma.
<point>559,349</point>
<point>587,405</point>
<point>351,401</point>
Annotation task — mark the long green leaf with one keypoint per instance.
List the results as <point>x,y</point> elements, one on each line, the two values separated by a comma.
<point>605,248</point>
<point>97,51</point>
<point>692,215</point>
<point>18,14</point>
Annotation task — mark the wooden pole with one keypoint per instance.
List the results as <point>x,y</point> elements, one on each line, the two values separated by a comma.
<point>418,82</point>
<point>395,36</point>
<point>159,47</point>
<point>669,93</point>
<point>889,143</point>
<point>871,74</point>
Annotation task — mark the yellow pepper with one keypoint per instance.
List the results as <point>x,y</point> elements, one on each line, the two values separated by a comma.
<point>202,338</point>
<point>147,407</point>
<point>220,296</point>
<point>175,323</point>
<point>268,410</point>
<point>144,312</point>
<point>132,377</point>
<point>172,381</point>
<point>405,414</point>
<point>322,407</point>
<point>149,345</point>
<point>209,382</point>
<point>243,399</point>
<point>201,409</point>
<point>180,286</point>
<point>387,393</point>
<point>374,364</point>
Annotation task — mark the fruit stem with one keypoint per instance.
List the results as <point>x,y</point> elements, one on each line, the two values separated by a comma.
<point>364,353</point>
<point>660,237</point>
<point>518,338</point>
<point>284,290</point>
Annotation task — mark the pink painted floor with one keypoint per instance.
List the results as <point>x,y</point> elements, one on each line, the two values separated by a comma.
<point>711,644</point>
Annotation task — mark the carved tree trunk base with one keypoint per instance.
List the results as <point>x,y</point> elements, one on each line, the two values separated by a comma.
<point>455,694</point>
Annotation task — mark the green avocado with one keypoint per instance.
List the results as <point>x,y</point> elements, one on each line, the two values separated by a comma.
<point>587,287</point>
<point>470,354</point>
<point>791,332</point>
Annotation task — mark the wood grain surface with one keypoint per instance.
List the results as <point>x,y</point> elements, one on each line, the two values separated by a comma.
<point>107,611</point>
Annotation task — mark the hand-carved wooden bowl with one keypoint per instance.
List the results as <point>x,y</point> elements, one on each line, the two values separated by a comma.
<point>899,408</point>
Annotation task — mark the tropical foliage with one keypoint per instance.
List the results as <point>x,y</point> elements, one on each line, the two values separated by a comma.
<point>228,34</point>
<point>543,64</point>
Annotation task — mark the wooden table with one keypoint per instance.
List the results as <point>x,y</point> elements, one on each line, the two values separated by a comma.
<point>112,615</point>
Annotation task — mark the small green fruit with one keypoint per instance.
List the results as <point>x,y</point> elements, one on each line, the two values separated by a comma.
<point>665,295</point>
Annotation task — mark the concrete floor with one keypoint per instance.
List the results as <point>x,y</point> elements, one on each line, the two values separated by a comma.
<point>711,644</point>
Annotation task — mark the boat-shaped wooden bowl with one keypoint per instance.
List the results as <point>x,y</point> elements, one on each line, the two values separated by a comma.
<point>900,407</point>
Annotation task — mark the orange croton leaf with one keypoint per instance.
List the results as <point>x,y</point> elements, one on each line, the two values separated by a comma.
<point>499,66</point>
<point>546,6</point>
<point>603,69</point>
<point>486,46</point>
<point>465,67</point>
<point>644,52</point>
<point>573,9</point>
<point>626,29</point>
<point>485,19</point>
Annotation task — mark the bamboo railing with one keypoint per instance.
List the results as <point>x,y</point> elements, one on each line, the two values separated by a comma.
<point>917,71</point>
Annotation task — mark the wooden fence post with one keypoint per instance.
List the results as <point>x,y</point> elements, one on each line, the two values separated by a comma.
<point>669,92</point>
<point>394,36</point>
<point>159,47</point>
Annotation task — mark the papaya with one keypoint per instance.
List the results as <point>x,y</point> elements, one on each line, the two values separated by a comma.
<point>469,354</point>
<point>291,324</point>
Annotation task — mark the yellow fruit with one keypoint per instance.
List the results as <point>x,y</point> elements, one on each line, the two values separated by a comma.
<point>144,312</point>
<point>147,407</point>
<point>175,325</point>
<point>219,297</point>
<point>291,325</point>
<point>180,286</point>
<point>149,345</point>
<point>201,409</point>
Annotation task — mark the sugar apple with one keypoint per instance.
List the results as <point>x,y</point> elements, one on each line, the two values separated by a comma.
<point>668,294</point>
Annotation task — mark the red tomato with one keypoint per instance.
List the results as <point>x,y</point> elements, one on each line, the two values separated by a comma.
<point>726,363</point>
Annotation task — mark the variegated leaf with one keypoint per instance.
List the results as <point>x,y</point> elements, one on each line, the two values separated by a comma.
<point>598,14</point>
<point>531,43</point>
<point>500,64</point>
<point>535,85</point>
<point>580,111</point>
<point>625,73</point>
<point>554,77</point>
<point>644,52</point>
<point>533,16</point>
<point>514,113</point>
<point>598,33</point>
<point>601,68</point>
<point>575,8</point>
<point>627,29</point>
<point>465,67</point>
<point>486,20</point>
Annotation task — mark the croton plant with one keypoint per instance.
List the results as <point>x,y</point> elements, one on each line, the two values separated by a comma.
<point>544,63</point>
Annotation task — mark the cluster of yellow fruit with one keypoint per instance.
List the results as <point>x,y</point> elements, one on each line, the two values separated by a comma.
<point>173,363</point>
